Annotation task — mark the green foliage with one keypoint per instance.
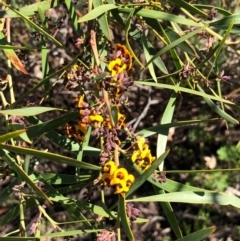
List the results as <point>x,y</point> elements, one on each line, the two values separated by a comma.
<point>181,46</point>
<point>229,153</point>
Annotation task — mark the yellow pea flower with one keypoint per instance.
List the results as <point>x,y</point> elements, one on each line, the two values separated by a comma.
<point>106,178</point>
<point>95,117</point>
<point>120,175</point>
<point>113,63</point>
<point>109,167</point>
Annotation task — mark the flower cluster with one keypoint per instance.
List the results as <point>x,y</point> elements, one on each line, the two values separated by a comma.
<point>88,115</point>
<point>132,212</point>
<point>118,177</point>
<point>106,235</point>
<point>121,60</point>
<point>76,76</point>
<point>142,154</point>
<point>105,117</point>
<point>120,63</point>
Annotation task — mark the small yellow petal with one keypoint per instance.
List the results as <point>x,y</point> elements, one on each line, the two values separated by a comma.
<point>76,67</point>
<point>109,167</point>
<point>121,174</point>
<point>121,188</point>
<point>140,143</point>
<point>98,118</point>
<point>130,180</point>
<point>106,178</point>
<point>135,155</point>
<point>80,100</point>
<point>112,63</point>
<point>120,70</point>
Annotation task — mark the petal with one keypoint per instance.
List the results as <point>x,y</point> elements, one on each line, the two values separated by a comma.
<point>109,167</point>
<point>121,173</point>
<point>95,118</point>
<point>130,180</point>
<point>146,153</point>
<point>119,176</point>
<point>140,143</point>
<point>135,156</point>
<point>80,100</point>
<point>120,70</point>
<point>106,178</point>
<point>112,63</point>
<point>121,188</point>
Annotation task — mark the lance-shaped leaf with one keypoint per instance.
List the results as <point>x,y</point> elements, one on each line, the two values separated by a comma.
<point>29,111</point>
<point>11,55</point>
<point>30,9</point>
<point>10,135</point>
<point>196,197</point>
<point>50,156</point>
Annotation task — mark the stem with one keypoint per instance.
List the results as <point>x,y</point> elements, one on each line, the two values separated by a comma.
<point>210,31</point>
<point>21,213</point>
<point>9,65</point>
<point>93,44</point>
<point>43,211</point>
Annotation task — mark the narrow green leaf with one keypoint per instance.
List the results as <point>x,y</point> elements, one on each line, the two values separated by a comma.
<point>18,238</point>
<point>188,6</point>
<point>196,197</point>
<point>29,9</point>
<point>44,53</point>
<point>124,219</point>
<point>14,212</point>
<point>148,56</point>
<point>209,7</point>
<point>114,112</point>
<point>226,21</point>
<point>11,135</point>
<point>172,186</point>
<point>175,57</point>
<point>162,127</point>
<point>127,28</point>
<point>220,46</point>
<point>185,46</point>
<point>182,89</point>
<point>147,13</point>
<point>58,179</point>
<point>8,46</point>
<point>199,235</point>
<point>175,43</point>
<point>216,109</point>
<point>96,12</point>
<point>166,118</point>
<point>40,30</point>
<point>72,7</point>
<point>50,156</point>
<point>103,21</point>
<point>41,128</point>
<point>29,111</point>
<point>70,233</point>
